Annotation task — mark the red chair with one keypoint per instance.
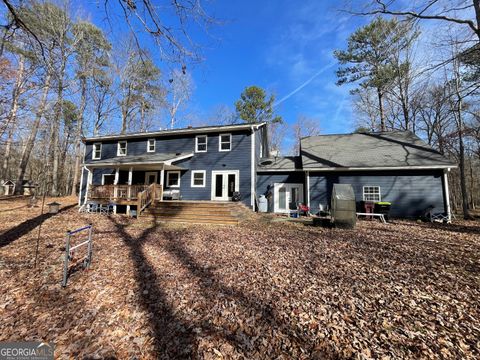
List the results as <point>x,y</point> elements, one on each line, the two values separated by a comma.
<point>303,210</point>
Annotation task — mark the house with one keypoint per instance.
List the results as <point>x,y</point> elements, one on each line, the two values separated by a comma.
<point>204,163</point>
<point>396,166</point>
<point>7,187</point>
<point>214,163</point>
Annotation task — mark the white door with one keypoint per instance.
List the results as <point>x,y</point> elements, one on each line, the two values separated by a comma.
<point>151,177</point>
<point>224,184</point>
<point>287,196</point>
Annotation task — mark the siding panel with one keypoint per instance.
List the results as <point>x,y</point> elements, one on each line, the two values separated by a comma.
<point>410,192</point>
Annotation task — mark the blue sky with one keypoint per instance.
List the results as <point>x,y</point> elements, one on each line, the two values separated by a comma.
<point>283,46</point>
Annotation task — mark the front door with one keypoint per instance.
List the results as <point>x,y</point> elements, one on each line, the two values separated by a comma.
<point>224,184</point>
<point>151,177</point>
<point>287,197</point>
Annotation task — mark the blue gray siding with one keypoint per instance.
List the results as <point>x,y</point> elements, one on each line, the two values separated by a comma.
<point>265,181</point>
<point>238,158</point>
<point>410,192</point>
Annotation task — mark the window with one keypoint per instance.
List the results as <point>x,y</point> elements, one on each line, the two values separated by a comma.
<point>108,179</point>
<point>225,142</point>
<point>201,143</point>
<point>151,145</point>
<point>198,178</point>
<point>173,179</point>
<point>371,193</point>
<point>122,148</point>
<point>97,151</point>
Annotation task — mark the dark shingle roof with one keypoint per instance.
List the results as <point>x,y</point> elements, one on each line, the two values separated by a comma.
<point>136,159</point>
<point>287,163</point>
<point>370,150</point>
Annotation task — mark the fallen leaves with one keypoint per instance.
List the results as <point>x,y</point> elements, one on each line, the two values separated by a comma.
<point>260,290</point>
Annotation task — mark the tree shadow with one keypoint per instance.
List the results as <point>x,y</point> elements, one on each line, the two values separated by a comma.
<point>25,227</point>
<point>176,337</point>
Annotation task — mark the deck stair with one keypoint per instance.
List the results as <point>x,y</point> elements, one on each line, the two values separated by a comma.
<point>196,212</point>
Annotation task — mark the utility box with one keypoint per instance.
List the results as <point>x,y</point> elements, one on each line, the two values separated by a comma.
<point>343,206</point>
<point>262,204</point>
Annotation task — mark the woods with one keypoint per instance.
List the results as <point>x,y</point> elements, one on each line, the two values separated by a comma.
<point>63,79</point>
<point>407,81</point>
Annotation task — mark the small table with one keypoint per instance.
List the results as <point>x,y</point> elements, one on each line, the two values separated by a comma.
<point>380,216</point>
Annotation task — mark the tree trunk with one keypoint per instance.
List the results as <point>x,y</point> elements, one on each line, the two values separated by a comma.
<point>461,149</point>
<point>27,150</point>
<point>12,116</point>
<point>380,107</point>
<point>78,136</point>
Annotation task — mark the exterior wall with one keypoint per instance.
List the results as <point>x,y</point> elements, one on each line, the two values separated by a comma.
<point>265,181</point>
<point>410,192</point>
<point>239,158</point>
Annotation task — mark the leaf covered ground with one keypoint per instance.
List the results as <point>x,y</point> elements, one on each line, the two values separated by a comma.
<point>260,290</point>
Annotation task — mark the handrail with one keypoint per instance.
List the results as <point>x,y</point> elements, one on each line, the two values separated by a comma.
<point>145,198</point>
<point>113,192</point>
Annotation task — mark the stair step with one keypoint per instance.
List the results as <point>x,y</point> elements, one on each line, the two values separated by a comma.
<point>193,221</point>
<point>158,211</point>
<point>194,204</point>
<point>190,216</point>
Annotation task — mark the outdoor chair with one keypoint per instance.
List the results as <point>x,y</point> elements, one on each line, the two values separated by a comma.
<point>106,209</point>
<point>303,209</point>
<point>92,207</point>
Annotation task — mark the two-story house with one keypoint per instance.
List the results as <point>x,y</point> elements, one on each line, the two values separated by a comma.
<point>204,163</point>
<point>221,163</point>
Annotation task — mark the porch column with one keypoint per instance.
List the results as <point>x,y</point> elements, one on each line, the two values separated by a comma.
<point>115,182</point>
<point>308,188</point>
<point>447,195</point>
<point>162,173</point>
<point>129,191</point>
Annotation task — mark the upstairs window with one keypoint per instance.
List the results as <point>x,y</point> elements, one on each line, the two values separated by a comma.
<point>122,148</point>
<point>371,193</point>
<point>151,145</point>
<point>201,143</point>
<point>225,142</point>
<point>97,151</point>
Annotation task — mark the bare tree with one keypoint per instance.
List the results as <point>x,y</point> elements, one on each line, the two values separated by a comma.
<point>433,10</point>
<point>179,90</point>
<point>303,127</point>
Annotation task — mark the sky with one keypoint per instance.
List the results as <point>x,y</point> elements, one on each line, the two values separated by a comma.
<point>285,47</point>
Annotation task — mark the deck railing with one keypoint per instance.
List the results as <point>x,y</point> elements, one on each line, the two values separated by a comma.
<point>145,198</point>
<point>123,192</point>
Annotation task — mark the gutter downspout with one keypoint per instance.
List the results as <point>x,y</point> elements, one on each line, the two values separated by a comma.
<point>447,195</point>
<point>308,188</point>
<point>252,174</point>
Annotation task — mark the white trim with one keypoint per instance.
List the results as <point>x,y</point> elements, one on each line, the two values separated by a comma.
<point>168,178</point>
<point>220,142</point>
<point>118,148</point>
<point>148,173</point>
<point>196,143</point>
<point>169,162</point>
<point>115,182</point>
<point>414,167</point>
<point>307,173</point>
<point>260,170</point>
<point>252,174</point>
<point>192,182</point>
<point>166,162</point>
<point>288,194</point>
<point>372,186</point>
<point>447,195</point>
<point>224,196</point>
<point>154,146</point>
<point>93,151</point>
<point>103,177</point>
<point>162,175</point>
<point>199,130</point>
